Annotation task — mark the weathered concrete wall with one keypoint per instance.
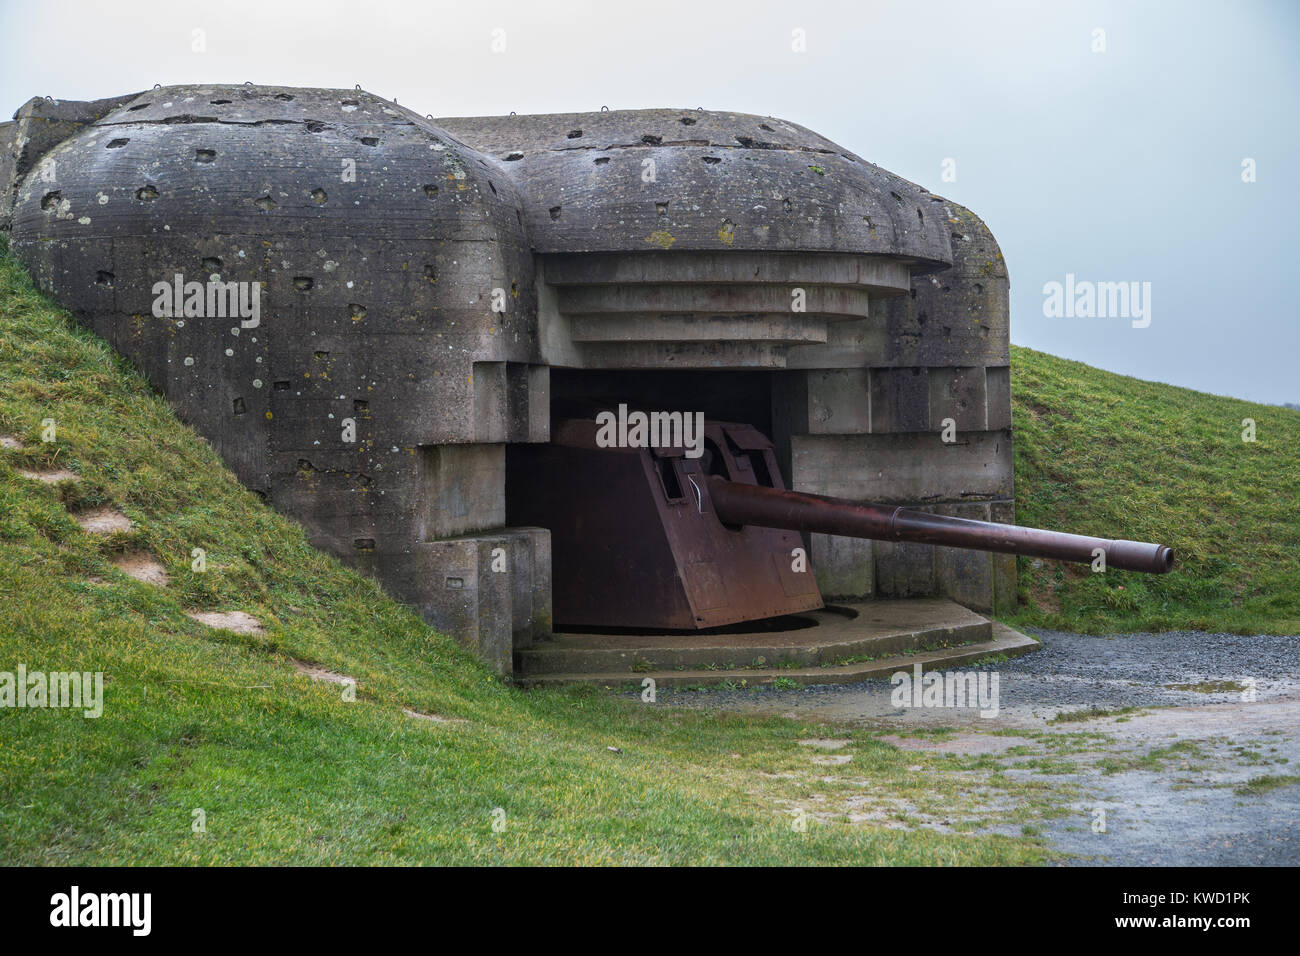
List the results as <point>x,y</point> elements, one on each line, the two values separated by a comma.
<point>373,398</point>
<point>869,423</point>
<point>645,180</point>
<point>38,126</point>
<point>419,279</point>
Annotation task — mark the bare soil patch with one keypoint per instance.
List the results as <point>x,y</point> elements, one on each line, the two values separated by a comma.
<point>958,744</point>
<point>825,743</point>
<point>142,566</point>
<point>316,672</point>
<point>49,476</point>
<point>435,718</point>
<point>103,521</point>
<point>237,621</point>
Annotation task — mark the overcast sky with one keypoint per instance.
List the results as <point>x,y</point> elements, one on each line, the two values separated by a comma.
<point>1118,166</point>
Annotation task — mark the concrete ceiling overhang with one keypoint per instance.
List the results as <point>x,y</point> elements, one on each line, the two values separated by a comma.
<point>677,180</point>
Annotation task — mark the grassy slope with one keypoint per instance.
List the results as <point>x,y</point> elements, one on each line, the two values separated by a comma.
<point>1099,453</point>
<point>285,769</point>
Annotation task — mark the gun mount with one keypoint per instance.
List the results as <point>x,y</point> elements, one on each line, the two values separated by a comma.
<point>652,538</point>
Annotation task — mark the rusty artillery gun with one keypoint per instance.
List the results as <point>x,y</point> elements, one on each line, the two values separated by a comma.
<point>649,538</point>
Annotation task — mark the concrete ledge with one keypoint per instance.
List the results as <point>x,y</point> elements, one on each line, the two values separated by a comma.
<point>1007,642</point>
<point>881,638</point>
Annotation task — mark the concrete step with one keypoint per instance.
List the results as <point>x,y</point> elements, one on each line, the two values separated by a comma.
<point>1006,641</point>
<point>870,629</point>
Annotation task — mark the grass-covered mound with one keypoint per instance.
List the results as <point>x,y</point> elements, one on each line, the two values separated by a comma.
<point>286,769</point>
<point>1104,454</point>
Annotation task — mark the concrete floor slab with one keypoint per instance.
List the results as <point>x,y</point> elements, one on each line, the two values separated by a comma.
<point>848,644</point>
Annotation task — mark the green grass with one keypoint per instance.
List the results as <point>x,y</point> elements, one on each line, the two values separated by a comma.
<point>1258,786</point>
<point>1154,760</point>
<point>284,768</point>
<point>287,770</point>
<point>1107,455</point>
<point>1092,713</point>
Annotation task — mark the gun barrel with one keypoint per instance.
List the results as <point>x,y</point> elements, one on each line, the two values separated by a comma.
<point>737,503</point>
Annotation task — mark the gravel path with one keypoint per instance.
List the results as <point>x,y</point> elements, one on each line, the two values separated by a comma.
<point>1230,704</point>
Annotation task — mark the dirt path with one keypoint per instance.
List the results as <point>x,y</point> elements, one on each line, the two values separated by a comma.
<point>1195,760</point>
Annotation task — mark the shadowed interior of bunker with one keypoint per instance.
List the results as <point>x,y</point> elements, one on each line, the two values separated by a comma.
<point>612,516</point>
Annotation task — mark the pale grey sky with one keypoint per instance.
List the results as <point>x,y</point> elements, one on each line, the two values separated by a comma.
<point>1122,165</point>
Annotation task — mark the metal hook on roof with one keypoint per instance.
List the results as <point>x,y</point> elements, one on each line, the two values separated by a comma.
<point>513,113</point>
<point>604,109</point>
<point>157,86</point>
<point>248,82</point>
<point>358,86</point>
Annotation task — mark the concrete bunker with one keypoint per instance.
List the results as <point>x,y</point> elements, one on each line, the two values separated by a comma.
<point>437,296</point>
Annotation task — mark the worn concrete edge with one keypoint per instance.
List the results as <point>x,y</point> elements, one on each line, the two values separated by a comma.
<point>1008,643</point>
